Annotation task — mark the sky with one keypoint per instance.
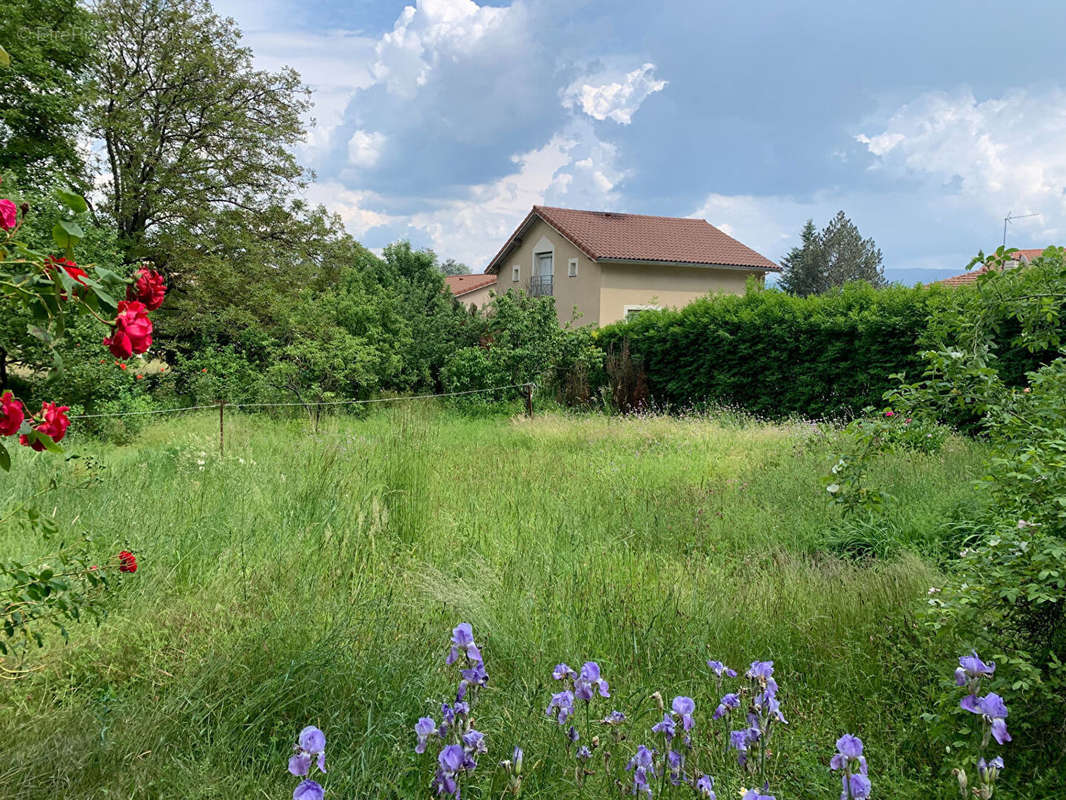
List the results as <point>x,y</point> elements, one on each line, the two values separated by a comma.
<point>444,121</point>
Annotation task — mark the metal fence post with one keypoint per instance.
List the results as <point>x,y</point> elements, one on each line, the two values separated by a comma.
<point>221,427</point>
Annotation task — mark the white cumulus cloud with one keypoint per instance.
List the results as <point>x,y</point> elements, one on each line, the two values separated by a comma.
<point>999,154</point>
<point>429,32</point>
<point>602,97</point>
<point>364,148</point>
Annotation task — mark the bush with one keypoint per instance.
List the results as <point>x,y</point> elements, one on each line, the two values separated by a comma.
<point>821,356</point>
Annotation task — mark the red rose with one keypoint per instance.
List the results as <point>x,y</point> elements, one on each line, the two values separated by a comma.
<point>148,288</point>
<point>133,330</point>
<point>9,214</point>
<point>127,561</point>
<point>11,415</point>
<point>75,272</point>
<point>54,423</point>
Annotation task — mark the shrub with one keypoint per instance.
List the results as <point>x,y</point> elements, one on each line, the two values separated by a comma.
<point>825,355</point>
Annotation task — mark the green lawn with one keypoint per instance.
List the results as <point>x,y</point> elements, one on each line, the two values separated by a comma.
<point>315,580</point>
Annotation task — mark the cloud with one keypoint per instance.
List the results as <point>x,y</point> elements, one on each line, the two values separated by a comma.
<point>603,98</point>
<point>1000,154</point>
<point>572,168</point>
<point>430,32</point>
<point>364,148</point>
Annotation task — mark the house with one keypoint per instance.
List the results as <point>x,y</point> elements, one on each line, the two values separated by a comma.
<point>1023,257</point>
<point>609,266</point>
<point>473,291</point>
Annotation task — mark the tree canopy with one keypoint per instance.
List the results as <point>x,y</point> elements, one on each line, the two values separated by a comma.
<point>830,258</point>
<point>190,126</point>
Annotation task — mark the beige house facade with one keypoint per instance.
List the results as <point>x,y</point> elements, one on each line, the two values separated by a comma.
<point>473,291</point>
<point>603,267</point>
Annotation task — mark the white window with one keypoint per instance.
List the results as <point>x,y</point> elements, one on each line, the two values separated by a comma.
<point>632,311</point>
<point>542,264</point>
<point>515,272</point>
<point>571,268</point>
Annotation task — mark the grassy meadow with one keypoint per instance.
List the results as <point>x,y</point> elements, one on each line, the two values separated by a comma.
<point>314,579</point>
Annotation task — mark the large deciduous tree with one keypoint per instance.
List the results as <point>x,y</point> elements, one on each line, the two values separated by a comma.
<point>831,257</point>
<point>50,45</point>
<point>190,126</point>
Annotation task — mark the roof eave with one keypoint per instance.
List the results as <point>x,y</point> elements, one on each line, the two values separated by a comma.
<point>700,264</point>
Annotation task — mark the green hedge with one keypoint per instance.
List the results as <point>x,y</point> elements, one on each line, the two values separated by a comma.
<point>777,355</point>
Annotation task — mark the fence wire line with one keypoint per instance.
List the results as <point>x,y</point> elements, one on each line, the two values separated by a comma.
<point>305,405</point>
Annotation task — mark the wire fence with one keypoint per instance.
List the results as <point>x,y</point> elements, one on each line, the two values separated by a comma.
<point>222,405</point>
<point>529,387</point>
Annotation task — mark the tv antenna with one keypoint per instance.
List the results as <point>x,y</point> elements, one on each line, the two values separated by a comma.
<point>1010,218</point>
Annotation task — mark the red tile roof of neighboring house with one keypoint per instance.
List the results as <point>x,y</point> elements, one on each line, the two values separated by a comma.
<point>609,236</point>
<point>974,274</point>
<point>464,284</point>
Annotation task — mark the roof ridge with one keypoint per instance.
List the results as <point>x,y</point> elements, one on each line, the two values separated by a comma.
<point>620,214</point>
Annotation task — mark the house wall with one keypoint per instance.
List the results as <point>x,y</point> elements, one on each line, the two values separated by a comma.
<point>480,297</point>
<point>582,291</point>
<point>662,286</point>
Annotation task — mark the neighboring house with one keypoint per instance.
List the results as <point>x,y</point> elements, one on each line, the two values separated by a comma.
<point>473,291</point>
<point>1023,257</point>
<point>610,266</point>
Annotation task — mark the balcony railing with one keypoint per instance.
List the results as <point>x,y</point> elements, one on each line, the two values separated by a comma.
<point>540,285</point>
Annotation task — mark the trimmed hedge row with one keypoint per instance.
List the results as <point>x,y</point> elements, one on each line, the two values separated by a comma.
<point>776,355</point>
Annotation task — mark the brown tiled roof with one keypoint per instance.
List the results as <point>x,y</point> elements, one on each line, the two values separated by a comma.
<point>610,236</point>
<point>974,274</point>
<point>464,284</point>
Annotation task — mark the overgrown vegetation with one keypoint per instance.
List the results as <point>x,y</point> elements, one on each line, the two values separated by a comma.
<point>308,579</point>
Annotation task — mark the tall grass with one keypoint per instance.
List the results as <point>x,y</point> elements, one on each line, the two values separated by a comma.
<point>307,579</point>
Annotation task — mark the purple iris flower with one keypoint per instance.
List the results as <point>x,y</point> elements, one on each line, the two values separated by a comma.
<point>849,749</point>
<point>755,794</point>
<point>562,671</point>
<point>761,671</point>
<point>310,742</point>
<point>476,674</point>
<point>588,679</point>
<point>614,718</point>
<point>643,758</point>
<point>463,640</point>
<point>474,742</point>
<point>583,753</point>
<point>666,727</point>
<point>972,667</point>
<point>572,734</point>
<point>308,790</point>
<point>683,707</point>
<point>451,758</point>
<point>675,761</point>
<point>720,669</point>
<point>300,764</point>
<point>994,711</point>
<point>705,787</point>
<point>642,767</point>
<point>856,787</point>
<point>564,703</point>
<point>727,704</point>
<point>424,728</point>
<point>769,702</point>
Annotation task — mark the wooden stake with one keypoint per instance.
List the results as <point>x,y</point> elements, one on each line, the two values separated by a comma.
<point>221,427</point>
<point>529,400</point>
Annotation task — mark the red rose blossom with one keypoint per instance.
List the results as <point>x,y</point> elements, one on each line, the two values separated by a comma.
<point>54,424</point>
<point>127,561</point>
<point>11,415</point>
<point>75,272</point>
<point>9,214</point>
<point>133,330</point>
<point>148,288</point>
